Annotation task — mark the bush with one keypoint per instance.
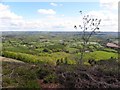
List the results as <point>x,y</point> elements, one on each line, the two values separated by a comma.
<point>31,84</point>
<point>43,72</point>
<point>56,48</point>
<point>50,78</point>
<point>46,50</point>
<point>92,62</point>
<point>67,79</point>
<point>20,76</point>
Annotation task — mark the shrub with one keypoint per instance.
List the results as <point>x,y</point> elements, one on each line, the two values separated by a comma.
<point>43,72</point>
<point>20,75</point>
<point>50,78</point>
<point>92,62</point>
<point>46,50</point>
<point>32,84</point>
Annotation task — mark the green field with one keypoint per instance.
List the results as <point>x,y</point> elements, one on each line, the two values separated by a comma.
<point>53,58</point>
<point>100,55</point>
<point>51,47</point>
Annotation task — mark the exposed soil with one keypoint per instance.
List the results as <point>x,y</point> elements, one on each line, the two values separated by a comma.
<point>9,60</point>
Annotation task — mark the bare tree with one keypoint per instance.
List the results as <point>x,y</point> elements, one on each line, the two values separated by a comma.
<point>89,27</point>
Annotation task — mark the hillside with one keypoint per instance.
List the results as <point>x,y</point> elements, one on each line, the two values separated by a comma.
<point>51,60</point>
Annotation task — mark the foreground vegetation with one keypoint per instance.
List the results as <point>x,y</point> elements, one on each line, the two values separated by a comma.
<point>97,75</point>
<point>51,60</point>
<point>19,75</point>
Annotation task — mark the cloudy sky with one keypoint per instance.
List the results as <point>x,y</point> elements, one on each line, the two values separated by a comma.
<point>56,16</point>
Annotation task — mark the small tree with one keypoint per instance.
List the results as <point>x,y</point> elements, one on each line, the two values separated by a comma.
<point>89,28</point>
<point>66,61</point>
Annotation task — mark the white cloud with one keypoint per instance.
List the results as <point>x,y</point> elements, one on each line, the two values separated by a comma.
<point>47,11</point>
<point>5,13</point>
<point>53,4</point>
<point>109,15</point>
<point>3,7</point>
<point>11,21</point>
<point>109,4</point>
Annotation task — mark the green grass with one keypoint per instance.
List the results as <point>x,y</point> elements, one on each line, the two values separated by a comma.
<point>21,49</point>
<point>110,50</point>
<point>100,55</point>
<point>71,50</point>
<point>43,58</point>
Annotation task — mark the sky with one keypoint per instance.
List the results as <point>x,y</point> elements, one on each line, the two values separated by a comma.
<point>56,16</point>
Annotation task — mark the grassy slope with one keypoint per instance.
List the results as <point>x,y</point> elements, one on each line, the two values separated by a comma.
<point>100,55</point>
<point>16,75</point>
<point>44,57</point>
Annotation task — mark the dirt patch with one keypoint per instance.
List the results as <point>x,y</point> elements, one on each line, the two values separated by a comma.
<point>9,60</point>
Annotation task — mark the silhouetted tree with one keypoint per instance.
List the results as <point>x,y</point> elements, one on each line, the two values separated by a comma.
<point>89,27</point>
